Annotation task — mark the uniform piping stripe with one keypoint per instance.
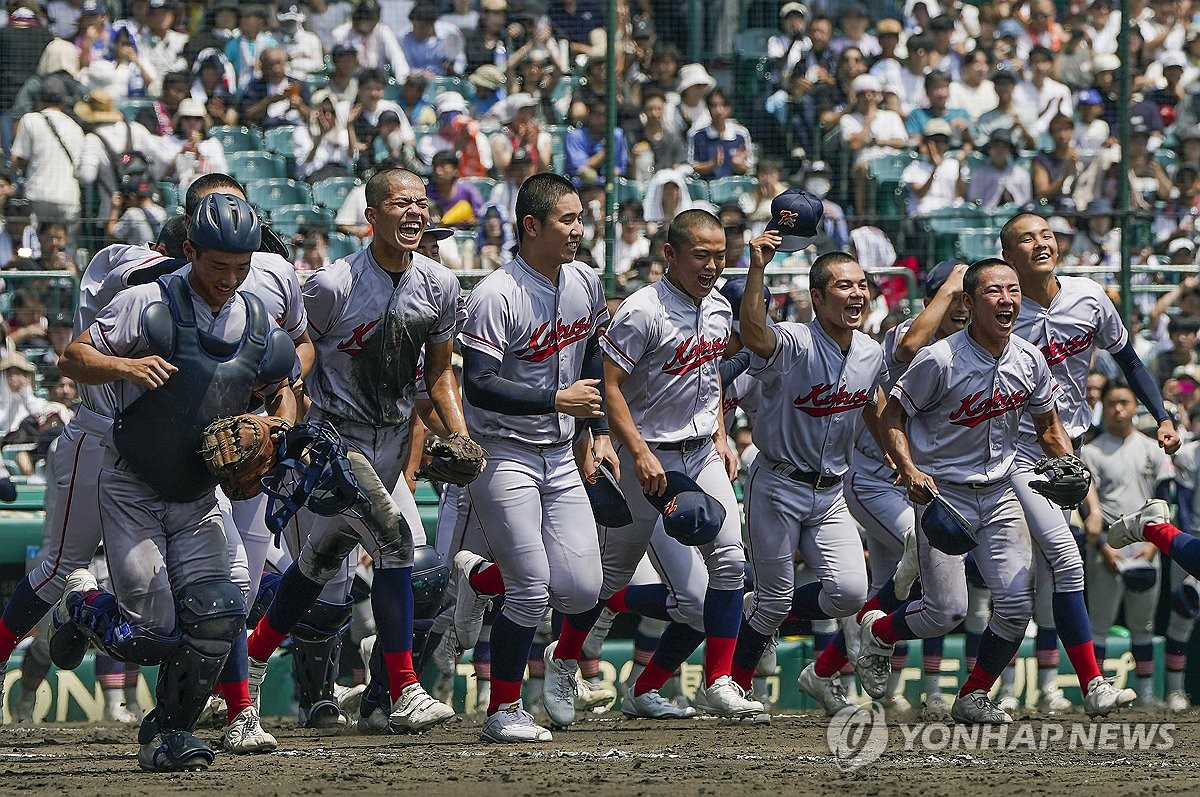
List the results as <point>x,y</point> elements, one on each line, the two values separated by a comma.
<point>62,532</point>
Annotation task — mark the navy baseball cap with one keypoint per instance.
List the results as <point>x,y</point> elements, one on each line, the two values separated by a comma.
<point>733,290</point>
<point>946,528</point>
<point>936,278</point>
<point>796,215</point>
<point>608,504</point>
<point>690,515</point>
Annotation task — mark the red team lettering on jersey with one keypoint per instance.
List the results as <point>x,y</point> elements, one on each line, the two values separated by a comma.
<point>975,409</point>
<point>692,353</point>
<point>822,400</point>
<point>353,345</point>
<point>542,347</point>
<point>1056,352</point>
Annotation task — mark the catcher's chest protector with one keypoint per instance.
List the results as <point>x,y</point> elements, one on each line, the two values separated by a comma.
<point>159,434</point>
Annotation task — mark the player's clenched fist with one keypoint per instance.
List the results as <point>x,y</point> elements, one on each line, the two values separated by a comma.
<point>580,400</point>
<point>762,248</point>
<point>149,372</point>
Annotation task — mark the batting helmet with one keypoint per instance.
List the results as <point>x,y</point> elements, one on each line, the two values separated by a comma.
<point>1139,575</point>
<point>429,579</point>
<point>946,528</point>
<point>608,504</point>
<point>690,515</point>
<point>225,223</point>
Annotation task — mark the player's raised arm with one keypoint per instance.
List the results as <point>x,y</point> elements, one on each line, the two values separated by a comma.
<point>86,364</point>
<point>756,335</point>
<point>925,326</point>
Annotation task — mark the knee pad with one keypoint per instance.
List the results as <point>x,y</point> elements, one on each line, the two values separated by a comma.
<point>210,615</point>
<point>323,621</point>
<point>321,559</point>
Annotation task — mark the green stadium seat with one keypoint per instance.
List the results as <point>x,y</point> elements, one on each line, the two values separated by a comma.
<point>331,192</point>
<point>944,226</point>
<point>131,107</point>
<point>560,98</point>
<point>440,85</point>
<point>287,221</point>
<point>731,189</point>
<point>627,189</point>
<point>171,199</point>
<point>276,193</point>
<point>978,243</point>
<point>558,147</point>
<point>237,139</point>
<point>698,190</point>
<point>279,141</point>
<point>342,245</point>
<point>247,166</point>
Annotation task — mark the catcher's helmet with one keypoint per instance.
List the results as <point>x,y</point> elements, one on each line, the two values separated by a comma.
<point>1185,599</point>
<point>429,579</point>
<point>945,528</point>
<point>1138,576</point>
<point>225,223</point>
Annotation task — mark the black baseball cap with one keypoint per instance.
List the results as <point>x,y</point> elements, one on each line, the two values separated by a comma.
<point>796,215</point>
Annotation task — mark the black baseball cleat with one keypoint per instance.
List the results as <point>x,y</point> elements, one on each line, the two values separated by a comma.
<point>177,751</point>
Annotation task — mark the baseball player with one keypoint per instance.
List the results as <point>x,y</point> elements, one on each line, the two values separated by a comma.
<point>1127,469</point>
<point>1067,318</point>
<point>817,381</point>
<point>950,426</point>
<point>158,510</point>
<point>881,507</point>
<point>369,317</point>
<point>661,354</point>
<point>1185,593</point>
<point>531,366</point>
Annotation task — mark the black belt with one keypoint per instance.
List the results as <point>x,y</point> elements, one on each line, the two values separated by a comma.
<point>691,445</point>
<point>818,481</point>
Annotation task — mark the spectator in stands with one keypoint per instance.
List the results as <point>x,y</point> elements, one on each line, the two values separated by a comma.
<point>664,71</point>
<point>786,48</point>
<point>832,100</point>
<point>159,117</point>
<point>324,17</point>
<point>1182,331</point>
<point>819,62</point>
<point>694,85</point>
<point>932,181</point>
<point>1012,45</point>
<point>461,202</point>
<point>115,150</point>
<point>162,46</point>
<point>574,21</point>
<point>666,197</point>
<point>1091,132</point>
<point>194,154</point>
<point>631,242</point>
<point>48,144</point>
<point>644,36</point>
<point>93,33</point>
<point>18,237</point>
<point>869,132</point>
<point>376,44</point>
<point>126,74</point>
<point>27,319</point>
<point>794,109</point>
<point>302,47</point>
<point>1164,30</point>
<point>937,90</point>
<point>1043,29</point>
<point>1014,118</point>
<point>322,147</point>
<point>854,22</point>
<point>363,119</point>
<point>135,218</point>
<point>723,148</point>
<point>735,245</point>
<point>1073,61</point>
<point>1054,171</point>
<point>276,99</point>
<point>391,143</point>
<point>60,61</point>
<point>1149,180</point>
<point>53,255</point>
<point>944,56</point>
<point>974,92</point>
<point>532,72</point>
<point>218,26</point>
<point>312,250</point>
<point>343,81</point>
<point>665,145</point>
<point>22,41</point>
<point>999,180</point>
<point>1104,75</point>
<point>1064,236</point>
<point>516,171</point>
<point>459,133</point>
<point>245,51</point>
<point>17,399</point>
<point>494,243</point>
<point>887,32</point>
<point>351,218</point>
<point>586,152</point>
<point>521,131</point>
<point>1172,92</point>
<point>417,108</point>
<point>426,48</point>
<point>770,185</point>
<point>489,82</point>
<point>907,93</point>
<point>1098,243</point>
<point>213,83</point>
<point>485,43</point>
<point>1045,95</point>
<point>592,89</point>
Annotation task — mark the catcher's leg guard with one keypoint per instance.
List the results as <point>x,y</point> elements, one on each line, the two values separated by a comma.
<point>102,622</point>
<point>268,586</point>
<point>210,615</point>
<point>322,556</point>
<point>316,650</point>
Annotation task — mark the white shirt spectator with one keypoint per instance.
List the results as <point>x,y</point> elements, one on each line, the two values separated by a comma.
<point>51,143</point>
<point>378,50</point>
<point>64,17</point>
<point>887,125</point>
<point>1052,98</point>
<point>394,14</point>
<point>163,55</point>
<point>304,52</point>
<point>334,148</point>
<point>96,166</point>
<point>975,101</point>
<point>987,185</point>
<point>942,193</point>
<point>326,22</point>
<point>208,158</point>
<point>353,212</point>
<point>911,91</point>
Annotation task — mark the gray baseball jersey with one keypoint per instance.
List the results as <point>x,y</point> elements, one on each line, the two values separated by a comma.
<point>1080,318</point>
<point>866,444</point>
<point>670,347</point>
<point>812,396</point>
<point>742,394</point>
<point>965,405</point>
<point>1125,471</point>
<point>538,332</point>
<point>1187,476</point>
<point>369,330</point>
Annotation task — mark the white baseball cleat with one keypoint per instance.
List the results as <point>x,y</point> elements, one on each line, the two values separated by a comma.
<point>375,723</point>
<point>652,705</point>
<point>874,663</point>
<point>1008,701</point>
<point>256,673</point>
<point>562,686</point>
<point>415,710</point>
<point>246,735</point>
<point>512,724</point>
<point>120,713</point>
<point>1178,701</point>
<point>1053,701</point>
<point>1103,697</point>
<point>469,605</point>
<point>1127,529</point>
<point>349,697</point>
<point>851,638</point>
<point>908,568</point>
<point>591,696</point>
<point>978,709</point>
<point>935,707</point>
<point>725,698</point>
<point>826,691</point>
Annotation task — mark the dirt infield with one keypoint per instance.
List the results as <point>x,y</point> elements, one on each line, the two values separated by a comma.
<point>612,756</point>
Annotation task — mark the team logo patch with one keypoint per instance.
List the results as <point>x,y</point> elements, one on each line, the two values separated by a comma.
<point>788,218</point>
<point>671,507</point>
<point>823,400</point>
<point>353,345</point>
<point>976,408</point>
<point>1056,351</point>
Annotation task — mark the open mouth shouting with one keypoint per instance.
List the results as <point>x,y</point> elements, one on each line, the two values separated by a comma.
<point>1005,318</point>
<point>854,313</point>
<point>1043,256</point>
<point>706,281</point>
<point>410,231</point>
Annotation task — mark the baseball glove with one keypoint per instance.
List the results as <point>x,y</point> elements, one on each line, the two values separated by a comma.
<point>1067,480</point>
<point>452,460</point>
<point>240,450</point>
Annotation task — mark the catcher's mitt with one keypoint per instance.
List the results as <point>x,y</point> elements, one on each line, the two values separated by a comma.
<point>240,450</point>
<point>453,460</point>
<point>1067,480</point>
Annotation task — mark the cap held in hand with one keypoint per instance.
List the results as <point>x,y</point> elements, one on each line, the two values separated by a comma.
<point>796,215</point>
<point>690,515</point>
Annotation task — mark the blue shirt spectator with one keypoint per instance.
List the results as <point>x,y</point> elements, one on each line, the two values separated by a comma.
<point>425,48</point>
<point>723,148</point>
<point>574,20</point>
<point>585,149</point>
